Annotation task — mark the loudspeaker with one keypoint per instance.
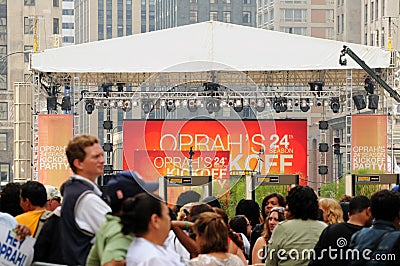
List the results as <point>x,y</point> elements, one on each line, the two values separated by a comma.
<point>322,169</point>
<point>323,125</point>
<point>359,102</point>
<point>373,101</point>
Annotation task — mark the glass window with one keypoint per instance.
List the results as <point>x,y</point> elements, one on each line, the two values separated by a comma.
<point>68,25</point>
<point>5,172</point>
<point>213,1</point>
<point>376,9</point>
<point>56,3</point>
<point>372,11</point>
<point>29,2</point>
<point>226,16</point>
<point>3,141</point>
<point>193,1</point>
<point>68,12</point>
<point>26,55</point>
<point>226,1</point>
<point>246,2</point>
<point>342,23</point>
<point>56,25</point>
<point>3,111</point>
<point>246,17</point>
<point>383,37</point>
<point>28,25</point>
<point>193,17</point>
<point>214,15</point>
<point>3,81</point>
<point>366,14</point>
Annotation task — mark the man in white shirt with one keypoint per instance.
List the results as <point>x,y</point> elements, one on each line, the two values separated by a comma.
<point>83,209</point>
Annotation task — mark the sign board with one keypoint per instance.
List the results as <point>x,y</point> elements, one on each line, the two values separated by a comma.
<point>12,251</point>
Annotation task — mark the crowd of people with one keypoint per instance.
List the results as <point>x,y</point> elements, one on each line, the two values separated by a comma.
<point>126,224</point>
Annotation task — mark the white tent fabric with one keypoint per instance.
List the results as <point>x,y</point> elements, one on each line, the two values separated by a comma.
<point>203,47</point>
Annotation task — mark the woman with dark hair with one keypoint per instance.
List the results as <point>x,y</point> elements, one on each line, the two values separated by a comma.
<point>10,200</point>
<point>212,237</point>
<point>250,209</point>
<point>276,215</point>
<point>294,238</point>
<point>147,217</point>
<point>241,225</point>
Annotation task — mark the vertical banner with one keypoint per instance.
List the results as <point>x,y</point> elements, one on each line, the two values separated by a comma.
<point>55,130</point>
<point>369,143</point>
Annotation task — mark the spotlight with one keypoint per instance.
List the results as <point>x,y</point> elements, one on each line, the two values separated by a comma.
<point>238,106</point>
<point>170,106</point>
<point>66,103</point>
<point>147,106</point>
<point>335,105</point>
<point>108,125</point>
<point>296,102</point>
<point>108,147</point>
<point>89,106</point>
<point>260,105</point>
<point>212,105</point>
<point>192,106</point>
<point>373,101</point>
<point>319,103</point>
<point>323,125</point>
<point>230,102</point>
<point>127,106</point>
<point>323,147</point>
<point>304,106</point>
<point>323,169</point>
<point>369,85</point>
<point>279,104</point>
<point>120,87</point>
<point>359,102</point>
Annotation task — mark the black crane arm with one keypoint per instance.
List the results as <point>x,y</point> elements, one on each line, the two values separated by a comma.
<point>378,79</point>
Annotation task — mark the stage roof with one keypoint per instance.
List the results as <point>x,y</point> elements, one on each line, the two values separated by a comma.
<point>267,57</point>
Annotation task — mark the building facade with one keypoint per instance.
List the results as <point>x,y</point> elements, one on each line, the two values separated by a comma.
<point>313,18</point>
<point>25,27</point>
<point>174,13</point>
<point>68,22</point>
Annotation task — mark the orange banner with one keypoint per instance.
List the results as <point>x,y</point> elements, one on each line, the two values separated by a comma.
<point>54,133</point>
<point>369,143</point>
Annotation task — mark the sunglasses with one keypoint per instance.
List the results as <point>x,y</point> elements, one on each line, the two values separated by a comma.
<point>278,209</point>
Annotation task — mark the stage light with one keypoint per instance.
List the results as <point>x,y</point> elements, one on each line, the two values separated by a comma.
<point>369,85</point>
<point>230,102</point>
<point>120,87</point>
<point>323,147</point>
<point>280,104</point>
<point>147,106</point>
<point>51,103</point>
<point>304,105</point>
<point>260,105</point>
<point>336,146</point>
<point>108,147</point>
<point>323,169</point>
<point>319,103</point>
<point>108,169</point>
<point>212,105</point>
<point>191,105</point>
<point>359,102</point>
<point>323,125</point>
<point>373,101</point>
<point>316,86</point>
<point>127,106</point>
<point>177,103</point>
<point>335,105</point>
<point>89,106</point>
<point>296,102</point>
<point>238,106</point>
<point>108,125</point>
<point>66,103</point>
<point>170,105</point>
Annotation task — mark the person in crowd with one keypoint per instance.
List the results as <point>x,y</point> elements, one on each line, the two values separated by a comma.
<point>269,201</point>
<point>337,236</point>
<point>111,244</point>
<point>241,225</point>
<point>32,200</point>
<point>50,236</point>
<point>276,215</point>
<point>147,217</point>
<point>10,199</point>
<point>83,210</point>
<point>182,215</point>
<point>53,198</point>
<point>344,204</point>
<point>189,196</point>
<point>212,237</point>
<point>250,209</point>
<point>300,233</point>
<point>212,201</point>
<point>383,237</point>
<point>331,211</point>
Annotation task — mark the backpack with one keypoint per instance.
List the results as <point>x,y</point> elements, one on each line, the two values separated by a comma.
<point>42,220</point>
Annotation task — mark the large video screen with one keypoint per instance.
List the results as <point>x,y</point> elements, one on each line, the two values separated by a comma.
<point>162,147</point>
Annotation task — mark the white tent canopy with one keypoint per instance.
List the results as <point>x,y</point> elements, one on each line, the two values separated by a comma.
<point>205,46</point>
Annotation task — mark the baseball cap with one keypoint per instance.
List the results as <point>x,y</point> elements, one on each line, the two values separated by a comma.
<point>52,192</point>
<point>395,188</point>
<point>126,184</point>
